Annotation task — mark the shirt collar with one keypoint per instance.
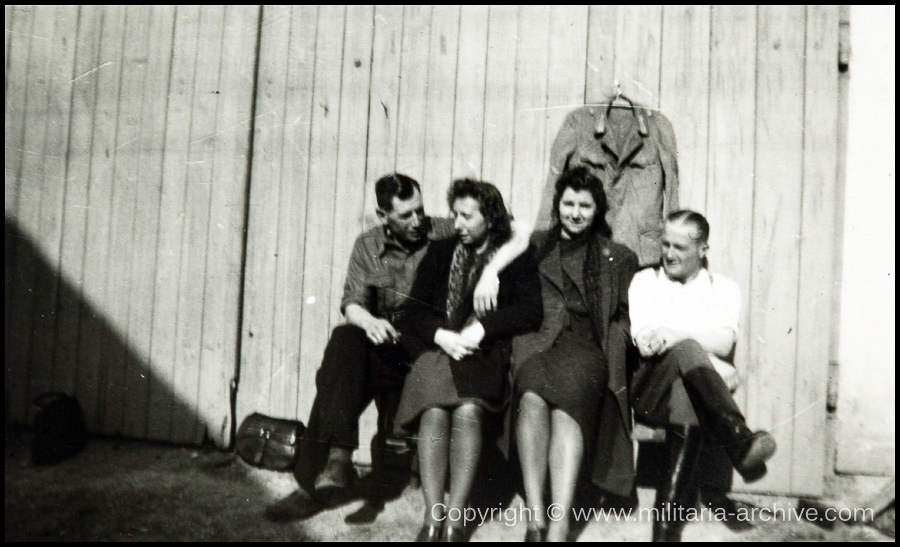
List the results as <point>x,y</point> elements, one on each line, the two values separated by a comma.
<point>388,240</point>
<point>702,278</point>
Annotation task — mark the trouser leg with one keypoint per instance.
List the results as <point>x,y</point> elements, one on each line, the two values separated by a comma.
<point>677,493</point>
<point>660,395</point>
<point>718,412</point>
<point>343,391</point>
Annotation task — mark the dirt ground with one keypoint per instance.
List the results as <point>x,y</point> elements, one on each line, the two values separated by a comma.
<point>133,491</point>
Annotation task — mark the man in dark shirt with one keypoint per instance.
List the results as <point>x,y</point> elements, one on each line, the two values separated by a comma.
<point>362,357</point>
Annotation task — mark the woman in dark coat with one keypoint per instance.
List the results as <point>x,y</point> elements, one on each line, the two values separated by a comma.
<point>570,376</point>
<point>462,362</point>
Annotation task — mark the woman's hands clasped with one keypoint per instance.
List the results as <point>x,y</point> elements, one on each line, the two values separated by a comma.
<point>459,345</point>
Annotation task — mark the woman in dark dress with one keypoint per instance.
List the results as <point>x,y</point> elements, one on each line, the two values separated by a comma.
<point>568,376</point>
<point>462,362</point>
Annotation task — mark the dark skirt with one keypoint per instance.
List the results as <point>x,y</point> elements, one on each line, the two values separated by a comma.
<point>571,376</point>
<point>437,381</point>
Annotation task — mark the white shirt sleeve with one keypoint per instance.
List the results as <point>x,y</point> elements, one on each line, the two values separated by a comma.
<point>727,296</point>
<point>641,300</point>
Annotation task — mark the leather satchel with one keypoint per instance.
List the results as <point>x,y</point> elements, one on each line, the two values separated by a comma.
<point>59,431</point>
<point>269,443</point>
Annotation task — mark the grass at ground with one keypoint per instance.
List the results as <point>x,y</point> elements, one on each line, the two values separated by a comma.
<point>133,491</point>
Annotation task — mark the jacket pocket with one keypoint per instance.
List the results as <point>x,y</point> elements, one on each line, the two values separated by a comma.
<point>648,155</point>
<point>646,171</point>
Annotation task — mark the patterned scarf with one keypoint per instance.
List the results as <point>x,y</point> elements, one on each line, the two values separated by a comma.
<point>465,271</point>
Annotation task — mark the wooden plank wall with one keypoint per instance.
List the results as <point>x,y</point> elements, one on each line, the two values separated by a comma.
<point>342,96</point>
<point>127,157</point>
<point>460,91</point>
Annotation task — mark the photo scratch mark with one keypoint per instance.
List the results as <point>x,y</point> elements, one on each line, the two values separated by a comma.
<point>794,416</point>
<point>33,153</point>
<point>126,143</point>
<point>239,124</point>
<point>29,35</point>
<point>91,71</point>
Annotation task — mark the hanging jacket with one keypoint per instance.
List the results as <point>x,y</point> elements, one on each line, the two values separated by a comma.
<point>632,151</point>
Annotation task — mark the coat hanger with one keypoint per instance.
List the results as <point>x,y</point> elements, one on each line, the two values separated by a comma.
<point>618,99</point>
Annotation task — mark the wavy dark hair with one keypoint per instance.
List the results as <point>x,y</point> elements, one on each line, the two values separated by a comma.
<point>491,203</point>
<point>578,179</point>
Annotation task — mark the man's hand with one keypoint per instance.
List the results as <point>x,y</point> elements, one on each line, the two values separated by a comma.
<point>473,333</point>
<point>380,331</point>
<point>656,341</point>
<point>486,292</point>
<point>453,344</point>
<point>668,338</point>
<point>649,342</point>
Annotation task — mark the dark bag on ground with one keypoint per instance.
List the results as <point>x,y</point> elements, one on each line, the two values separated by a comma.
<point>59,431</point>
<point>270,443</point>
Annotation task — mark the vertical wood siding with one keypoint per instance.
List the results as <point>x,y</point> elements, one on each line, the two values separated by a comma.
<point>128,160</point>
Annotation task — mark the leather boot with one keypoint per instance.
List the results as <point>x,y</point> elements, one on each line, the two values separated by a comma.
<point>678,491</point>
<point>748,451</point>
<point>336,477</point>
<point>455,534</point>
<point>430,533</point>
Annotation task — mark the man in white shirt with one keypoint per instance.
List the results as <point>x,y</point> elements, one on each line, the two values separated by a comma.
<point>684,323</point>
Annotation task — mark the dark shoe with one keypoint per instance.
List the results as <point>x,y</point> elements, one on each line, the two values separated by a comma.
<point>759,448</point>
<point>297,506</point>
<point>336,477</point>
<point>367,514</point>
<point>754,474</point>
<point>748,451</point>
<point>454,534</point>
<point>678,492</point>
<point>430,533</point>
<point>535,535</point>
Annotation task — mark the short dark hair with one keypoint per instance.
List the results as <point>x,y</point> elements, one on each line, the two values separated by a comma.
<point>393,186</point>
<point>578,179</point>
<point>491,203</point>
<point>694,218</point>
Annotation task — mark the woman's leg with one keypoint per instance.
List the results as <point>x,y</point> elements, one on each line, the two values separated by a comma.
<point>567,451</point>
<point>433,448</point>
<point>533,440</point>
<point>465,450</point>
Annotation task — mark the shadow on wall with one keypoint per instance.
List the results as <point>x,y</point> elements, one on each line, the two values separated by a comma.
<point>88,358</point>
<point>75,499</point>
<point>58,341</point>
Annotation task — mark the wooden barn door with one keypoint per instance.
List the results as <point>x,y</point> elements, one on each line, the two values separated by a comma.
<point>347,94</point>
<point>127,158</point>
<point>184,185</point>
